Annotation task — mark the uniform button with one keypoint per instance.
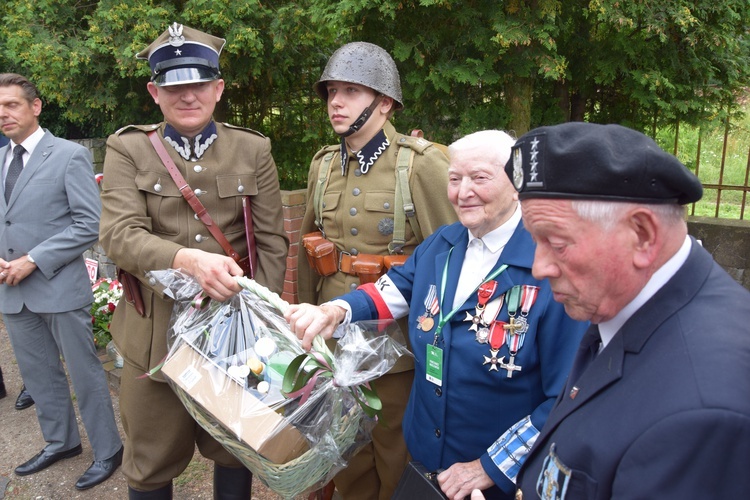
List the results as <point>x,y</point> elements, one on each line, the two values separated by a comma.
<point>152,281</point>
<point>199,238</point>
<point>356,191</point>
<point>7,223</point>
<point>195,216</point>
<point>354,231</point>
<point>354,251</point>
<point>157,187</point>
<point>438,392</point>
<point>240,188</point>
<point>198,169</point>
<point>437,433</point>
<point>357,172</point>
<point>324,204</point>
<point>403,139</point>
<point>352,211</point>
<point>353,286</point>
<point>386,205</point>
<point>199,192</point>
<point>10,250</point>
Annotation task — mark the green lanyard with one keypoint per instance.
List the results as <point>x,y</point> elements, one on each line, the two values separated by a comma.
<point>444,319</point>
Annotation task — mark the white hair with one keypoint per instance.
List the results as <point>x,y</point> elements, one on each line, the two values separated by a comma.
<point>494,144</point>
<point>606,213</point>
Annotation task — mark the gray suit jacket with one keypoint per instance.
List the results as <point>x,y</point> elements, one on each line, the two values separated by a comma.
<point>52,215</point>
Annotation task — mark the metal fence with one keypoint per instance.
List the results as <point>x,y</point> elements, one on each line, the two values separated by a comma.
<point>720,191</point>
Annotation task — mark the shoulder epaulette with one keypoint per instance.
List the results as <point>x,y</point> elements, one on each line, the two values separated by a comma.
<point>326,149</point>
<point>142,128</point>
<point>243,128</point>
<point>418,144</point>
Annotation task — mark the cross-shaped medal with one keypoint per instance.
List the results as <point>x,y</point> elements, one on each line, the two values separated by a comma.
<point>492,359</point>
<point>510,366</point>
<point>516,326</point>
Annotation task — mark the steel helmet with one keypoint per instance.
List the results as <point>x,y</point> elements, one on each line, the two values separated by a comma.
<point>365,64</point>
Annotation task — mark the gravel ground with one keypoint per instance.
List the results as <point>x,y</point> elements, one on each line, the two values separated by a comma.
<point>21,439</point>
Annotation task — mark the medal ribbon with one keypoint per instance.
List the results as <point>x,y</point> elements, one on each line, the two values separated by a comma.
<point>497,335</point>
<point>525,297</point>
<point>484,292</point>
<point>530,293</point>
<point>513,298</point>
<point>444,319</point>
<point>431,298</point>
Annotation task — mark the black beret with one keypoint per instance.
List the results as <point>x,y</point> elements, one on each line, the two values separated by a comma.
<point>589,161</point>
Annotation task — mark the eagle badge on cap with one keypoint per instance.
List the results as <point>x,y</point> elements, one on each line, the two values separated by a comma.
<point>517,168</point>
<point>176,38</point>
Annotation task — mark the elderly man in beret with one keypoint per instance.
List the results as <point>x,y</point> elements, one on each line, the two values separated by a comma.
<point>147,224</point>
<point>656,404</point>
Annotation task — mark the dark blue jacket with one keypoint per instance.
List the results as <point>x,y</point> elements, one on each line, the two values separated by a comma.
<point>664,410</point>
<point>461,420</point>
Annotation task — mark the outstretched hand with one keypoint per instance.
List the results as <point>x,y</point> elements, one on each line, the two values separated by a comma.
<point>307,321</point>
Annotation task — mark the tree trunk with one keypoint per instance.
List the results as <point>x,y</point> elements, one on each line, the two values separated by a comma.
<point>577,107</point>
<point>518,95</point>
<point>562,94</point>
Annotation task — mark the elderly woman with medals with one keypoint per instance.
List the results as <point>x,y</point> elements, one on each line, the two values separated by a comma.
<point>492,349</point>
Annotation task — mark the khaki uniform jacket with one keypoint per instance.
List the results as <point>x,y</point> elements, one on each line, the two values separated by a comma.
<point>146,220</point>
<point>358,211</point>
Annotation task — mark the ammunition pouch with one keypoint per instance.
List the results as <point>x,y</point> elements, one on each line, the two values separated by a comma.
<point>368,267</point>
<point>326,260</point>
<point>321,253</point>
<point>394,260</point>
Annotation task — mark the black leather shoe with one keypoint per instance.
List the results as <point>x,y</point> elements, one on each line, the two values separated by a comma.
<point>99,471</point>
<point>44,459</point>
<point>24,399</point>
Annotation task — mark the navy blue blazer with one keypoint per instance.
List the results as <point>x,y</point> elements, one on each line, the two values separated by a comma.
<point>664,410</point>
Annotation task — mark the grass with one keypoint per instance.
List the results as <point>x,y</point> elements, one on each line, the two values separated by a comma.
<point>710,162</point>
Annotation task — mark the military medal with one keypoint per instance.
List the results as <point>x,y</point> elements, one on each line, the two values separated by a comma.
<point>496,340</point>
<point>488,317</point>
<point>523,297</point>
<point>484,292</point>
<point>425,322</point>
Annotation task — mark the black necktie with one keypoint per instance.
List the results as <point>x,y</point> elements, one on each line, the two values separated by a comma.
<point>14,170</point>
<point>587,351</point>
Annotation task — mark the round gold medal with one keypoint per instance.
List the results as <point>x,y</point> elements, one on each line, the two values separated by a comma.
<point>427,324</point>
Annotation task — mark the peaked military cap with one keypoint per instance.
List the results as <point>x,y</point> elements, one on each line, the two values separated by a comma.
<point>183,55</point>
<point>589,161</point>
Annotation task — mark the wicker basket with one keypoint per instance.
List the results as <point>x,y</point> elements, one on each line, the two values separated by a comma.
<point>345,428</point>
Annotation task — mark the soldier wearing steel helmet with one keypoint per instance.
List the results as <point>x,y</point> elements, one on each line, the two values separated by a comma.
<point>352,202</point>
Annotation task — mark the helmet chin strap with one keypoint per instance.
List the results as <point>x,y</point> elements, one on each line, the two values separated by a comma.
<point>363,117</point>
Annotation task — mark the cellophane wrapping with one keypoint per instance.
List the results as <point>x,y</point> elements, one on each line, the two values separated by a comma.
<point>227,362</point>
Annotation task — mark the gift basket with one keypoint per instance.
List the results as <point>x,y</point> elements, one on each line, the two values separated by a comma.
<point>293,418</point>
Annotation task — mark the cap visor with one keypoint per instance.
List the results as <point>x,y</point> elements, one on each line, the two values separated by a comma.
<point>184,76</point>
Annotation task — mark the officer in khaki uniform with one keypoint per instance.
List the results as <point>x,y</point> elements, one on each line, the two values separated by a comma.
<point>147,225</point>
<point>354,186</point>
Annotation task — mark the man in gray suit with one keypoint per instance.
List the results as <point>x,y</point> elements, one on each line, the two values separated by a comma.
<point>50,209</point>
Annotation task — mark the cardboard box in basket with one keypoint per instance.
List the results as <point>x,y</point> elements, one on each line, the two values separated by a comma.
<point>245,416</point>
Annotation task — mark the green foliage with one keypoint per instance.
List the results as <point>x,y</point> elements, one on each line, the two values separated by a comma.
<point>465,65</point>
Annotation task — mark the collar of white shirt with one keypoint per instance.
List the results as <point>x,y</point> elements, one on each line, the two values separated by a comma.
<point>608,329</point>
